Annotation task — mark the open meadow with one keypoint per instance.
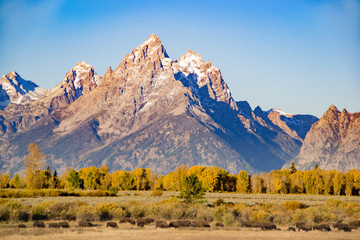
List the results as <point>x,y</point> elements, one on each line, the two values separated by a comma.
<point>210,197</point>
<point>150,232</point>
<point>231,210</point>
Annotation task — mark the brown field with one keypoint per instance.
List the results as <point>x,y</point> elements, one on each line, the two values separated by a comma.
<point>9,230</point>
<point>248,199</point>
<point>150,232</point>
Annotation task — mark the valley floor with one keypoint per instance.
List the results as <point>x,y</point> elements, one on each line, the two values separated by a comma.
<point>248,199</point>
<point>150,232</point>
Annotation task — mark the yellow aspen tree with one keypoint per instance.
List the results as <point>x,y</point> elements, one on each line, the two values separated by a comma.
<point>243,182</point>
<point>338,183</point>
<point>33,162</point>
<point>180,175</point>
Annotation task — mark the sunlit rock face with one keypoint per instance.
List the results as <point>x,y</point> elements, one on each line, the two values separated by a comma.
<point>150,111</point>
<point>333,142</point>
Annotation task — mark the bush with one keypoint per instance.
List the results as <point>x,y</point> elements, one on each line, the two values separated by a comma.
<point>4,213</point>
<point>104,210</point>
<point>260,216</point>
<point>156,193</point>
<point>171,200</point>
<point>87,213</point>
<point>136,209</point>
<point>219,202</point>
<point>228,219</point>
<point>59,209</point>
<point>172,210</point>
<point>118,213</point>
<point>219,213</point>
<point>40,213</point>
<point>20,215</point>
<point>293,205</point>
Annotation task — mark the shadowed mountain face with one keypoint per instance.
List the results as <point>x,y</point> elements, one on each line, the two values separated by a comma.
<point>150,112</point>
<point>333,142</point>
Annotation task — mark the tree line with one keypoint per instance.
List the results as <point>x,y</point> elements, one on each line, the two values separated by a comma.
<point>213,179</point>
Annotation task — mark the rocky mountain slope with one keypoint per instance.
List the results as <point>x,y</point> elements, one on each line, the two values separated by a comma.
<point>151,111</point>
<point>15,89</point>
<point>333,142</point>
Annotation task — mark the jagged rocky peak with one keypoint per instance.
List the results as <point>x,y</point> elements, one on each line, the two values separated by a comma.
<point>15,89</point>
<point>259,112</point>
<point>82,77</point>
<point>108,75</point>
<point>331,114</point>
<point>193,72</point>
<point>78,81</point>
<point>244,108</point>
<point>332,142</point>
<point>149,54</point>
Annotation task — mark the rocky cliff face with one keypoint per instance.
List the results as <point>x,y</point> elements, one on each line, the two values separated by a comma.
<point>150,111</point>
<point>295,125</point>
<point>14,89</point>
<point>333,142</point>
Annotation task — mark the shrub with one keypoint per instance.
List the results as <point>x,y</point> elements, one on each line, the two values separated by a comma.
<point>219,213</point>
<point>4,213</point>
<point>87,213</point>
<point>104,210</point>
<point>20,215</point>
<point>171,200</point>
<point>172,210</point>
<point>14,205</point>
<point>156,193</point>
<point>137,210</point>
<point>118,213</point>
<point>40,213</point>
<point>219,202</point>
<point>260,216</point>
<point>113,191</point>
<point>228,219</point>
<point>59,209</point>
<point>293,205</point>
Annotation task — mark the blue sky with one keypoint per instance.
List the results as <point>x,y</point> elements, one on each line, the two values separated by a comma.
<point>299,56</point>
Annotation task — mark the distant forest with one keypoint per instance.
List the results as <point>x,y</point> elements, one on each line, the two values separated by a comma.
<point>213,179</point>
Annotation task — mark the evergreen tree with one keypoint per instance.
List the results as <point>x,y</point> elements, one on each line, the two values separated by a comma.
<point>293,168</point>
<point>192,189</point>
<point>73,180</point>
<point>17,181</point>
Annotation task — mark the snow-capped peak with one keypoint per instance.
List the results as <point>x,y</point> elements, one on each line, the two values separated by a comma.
<point>190,59</point>
<point>152,39</point>
<point>280,112</point>
<point>15,89</point>
<point>81,70</point>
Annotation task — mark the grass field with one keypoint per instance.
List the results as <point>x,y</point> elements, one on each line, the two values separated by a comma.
<point>248,199</point>
<point>150,232</point>
<point>254,207</point>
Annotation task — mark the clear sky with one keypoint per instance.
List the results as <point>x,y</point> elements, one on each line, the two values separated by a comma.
<point>299,56</point>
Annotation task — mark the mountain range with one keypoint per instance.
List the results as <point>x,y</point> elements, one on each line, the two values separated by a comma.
<point>154,112</point>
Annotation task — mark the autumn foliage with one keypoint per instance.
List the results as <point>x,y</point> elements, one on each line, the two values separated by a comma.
<point>213,179</point>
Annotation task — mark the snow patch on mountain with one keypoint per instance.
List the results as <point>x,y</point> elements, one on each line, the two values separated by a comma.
<point>17,90</point>
<point>280,112</point>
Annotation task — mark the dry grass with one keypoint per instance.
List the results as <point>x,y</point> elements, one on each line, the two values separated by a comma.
<point>251,199</point>
<point>151,233</point>
<point>145,197</point>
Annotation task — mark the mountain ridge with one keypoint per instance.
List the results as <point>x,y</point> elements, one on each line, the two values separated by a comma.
<point>150,111</point>
<point>332,142</point>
